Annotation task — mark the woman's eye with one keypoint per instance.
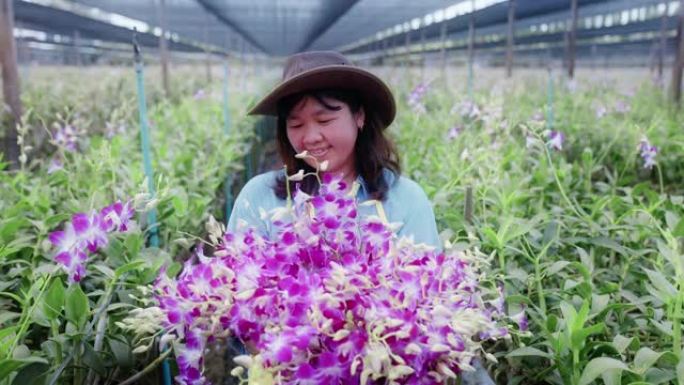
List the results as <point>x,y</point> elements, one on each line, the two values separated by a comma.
<point>325,121</point>
<point>294,126</point>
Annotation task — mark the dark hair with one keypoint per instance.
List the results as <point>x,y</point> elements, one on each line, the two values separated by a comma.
<point>373,151</point>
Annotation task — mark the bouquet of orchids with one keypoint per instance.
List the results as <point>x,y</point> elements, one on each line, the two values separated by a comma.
<point>334,299</point>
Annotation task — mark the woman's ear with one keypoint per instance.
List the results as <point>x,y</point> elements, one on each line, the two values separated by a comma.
<point>360,118</point>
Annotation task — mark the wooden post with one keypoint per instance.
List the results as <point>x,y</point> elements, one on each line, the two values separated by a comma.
<point>10,85</point>
<point>678,66</point>
<point>509,42</point>
<point>163,46</point>
<point>572,39</point>
<point>663,41</point>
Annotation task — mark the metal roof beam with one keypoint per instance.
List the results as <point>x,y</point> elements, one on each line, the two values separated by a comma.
<point>327,23</point>
<point>214,11</point>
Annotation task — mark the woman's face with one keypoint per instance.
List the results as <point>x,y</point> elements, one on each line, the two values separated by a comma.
<point>326,134</point>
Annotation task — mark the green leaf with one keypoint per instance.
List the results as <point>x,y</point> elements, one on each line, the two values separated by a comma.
<point>121,270</point>
<point>53,301</point>
<point>104,269</point>
<point>9,227</point>
<point>599,302</point>
<point>76,306</point>
<point>569,313</point>
<point>32,374</point>
<point>556,267</point>
<point>661,284</point>
<point>598,366</point>
<point>610,244</point>
<point>621,343</point>
<point>579,336</point>
<point>8,366</point>
<point>180,205</point>
<point>612,377</point>
<point>92,359</point>
<point>644,359</point>
<point>7,316</point>
<point>679,229</point>
<point>122,352</point>
<point>529,351</point>
<point>659,376</point>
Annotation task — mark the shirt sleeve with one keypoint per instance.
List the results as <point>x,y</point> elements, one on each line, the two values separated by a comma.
<point>419,218</point>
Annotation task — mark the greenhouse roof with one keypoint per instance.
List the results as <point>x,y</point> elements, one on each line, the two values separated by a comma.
<point>282,27</point>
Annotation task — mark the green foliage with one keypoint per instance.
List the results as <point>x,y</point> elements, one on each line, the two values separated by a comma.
<point>586,238</point>
<point>54,332</point>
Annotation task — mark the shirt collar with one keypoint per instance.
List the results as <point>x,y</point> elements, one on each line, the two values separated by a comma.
<point>362,193</point>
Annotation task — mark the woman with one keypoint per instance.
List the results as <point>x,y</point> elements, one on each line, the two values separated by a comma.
<point>337,113</point>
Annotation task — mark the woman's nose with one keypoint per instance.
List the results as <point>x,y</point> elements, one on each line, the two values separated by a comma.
<point>312,134</point>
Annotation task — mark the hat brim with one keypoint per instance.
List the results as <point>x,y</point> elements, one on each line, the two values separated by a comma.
<point>374,92</point>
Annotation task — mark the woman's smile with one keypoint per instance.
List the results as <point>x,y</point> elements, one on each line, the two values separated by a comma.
<point>319,152</point>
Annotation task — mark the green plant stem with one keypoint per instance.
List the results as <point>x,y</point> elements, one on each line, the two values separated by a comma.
<point>540,287</point>
<point>134,378</point>
<point>88,330</point>
<point>27,319</point>
<point>660,180</point>
<point>560,186</point>
<point>575,367</point>
<point>677,318</point>
<point>92,377</point>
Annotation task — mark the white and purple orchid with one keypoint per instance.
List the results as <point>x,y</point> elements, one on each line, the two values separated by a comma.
<point>334,298</point>
<point>86,234</point>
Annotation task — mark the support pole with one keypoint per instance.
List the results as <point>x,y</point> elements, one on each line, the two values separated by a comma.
<point>408,48</point>
<point>550,101</point>
<point>663,41</point>
<point>471,49</point>
<point>163,46</point>
<point>509,42</point>
<point>678,66</point>
<point>145,142</point>
<point>207,51</point>
<point>385,52</point>
<point>77,48</point>
<point>442,40</point>
<point>228,184</point>
<point>572,39</point>
<point>423,59</point>
<point>10,85</point>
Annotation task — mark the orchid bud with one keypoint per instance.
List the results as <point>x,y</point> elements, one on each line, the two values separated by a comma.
<point>299,176</point>
<point>244,360</point>
<point>302,154</point>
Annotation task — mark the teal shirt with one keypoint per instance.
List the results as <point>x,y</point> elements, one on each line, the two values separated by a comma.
<point>405,203</point>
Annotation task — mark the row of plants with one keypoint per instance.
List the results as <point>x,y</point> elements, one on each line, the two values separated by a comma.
<point>81,194</point>
<point>574,190</point>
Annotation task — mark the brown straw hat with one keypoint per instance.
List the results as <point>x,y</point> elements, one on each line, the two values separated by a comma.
<point>308,71</point>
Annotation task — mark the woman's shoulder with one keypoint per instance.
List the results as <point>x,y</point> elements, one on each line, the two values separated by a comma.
<point>404,187</point>
<point>261,182</point>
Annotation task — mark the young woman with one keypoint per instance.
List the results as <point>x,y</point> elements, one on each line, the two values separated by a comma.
<point>338,113</point>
